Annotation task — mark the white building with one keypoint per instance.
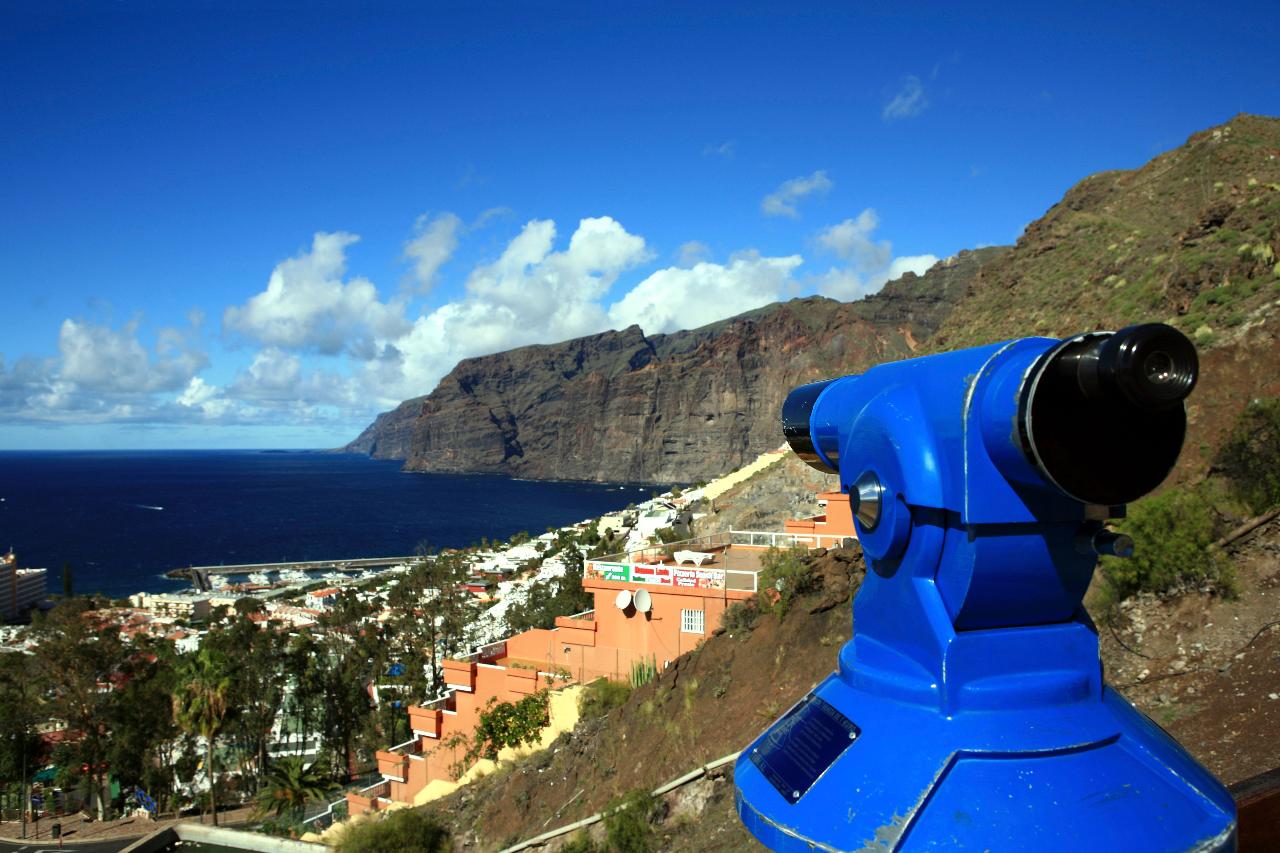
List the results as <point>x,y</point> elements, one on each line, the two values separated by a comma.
<point>20,589</point>
<point>175,605</point>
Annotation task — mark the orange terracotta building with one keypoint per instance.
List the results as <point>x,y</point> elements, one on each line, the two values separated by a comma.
<point>651,606</point>
<point>831,527</point>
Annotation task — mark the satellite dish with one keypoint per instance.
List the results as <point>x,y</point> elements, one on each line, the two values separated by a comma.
<point>623,601</point>
<point>641,600</point>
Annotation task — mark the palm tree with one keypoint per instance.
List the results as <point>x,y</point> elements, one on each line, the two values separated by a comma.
<point>201,708</point>
<point>290,785</point>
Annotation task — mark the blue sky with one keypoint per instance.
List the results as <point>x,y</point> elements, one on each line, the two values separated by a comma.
<point>257,225</point>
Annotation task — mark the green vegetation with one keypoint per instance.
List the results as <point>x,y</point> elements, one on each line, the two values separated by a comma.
<point>643,671</point>
<point>200,707</point>
<point>740,617</point>
<point>580,843</point>
<point>1250,457</point>
<point>399,831</point>
<point>602,696</point>
<point>1175,531</point>
<point>629,821</point>
<point>289,785</point>
<point>1172,534</point>
<point>504,724</point>
<point>785,574</point>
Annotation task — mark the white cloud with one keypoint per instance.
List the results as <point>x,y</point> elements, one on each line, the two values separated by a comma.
<point>329,350</point>
<point>847,284</point>
<point>102,360</point>
<point>433,243</point>
<point>529,294</point>
<point>691,253</point>
<point>208,400</point>
<point>307,305</point>
<point>869,263</point>
<point>851,241</point>
<point>675,298</point>
<point>782,201</point>
<point>910,100</point>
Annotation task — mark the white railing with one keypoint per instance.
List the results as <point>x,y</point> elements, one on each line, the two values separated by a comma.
<point>410,742</point>
<point>337,810</point>
<point>771,539</point>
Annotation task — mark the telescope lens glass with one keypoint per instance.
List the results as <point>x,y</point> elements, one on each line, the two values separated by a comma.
<point>1159,368</point>
<point>1153,365</point>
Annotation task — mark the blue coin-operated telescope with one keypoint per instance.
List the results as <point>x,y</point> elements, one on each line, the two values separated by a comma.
<point>969,711</point>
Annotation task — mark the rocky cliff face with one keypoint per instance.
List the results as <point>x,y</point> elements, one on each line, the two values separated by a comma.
<point>1191,238</point>
<point>391,434</point>
<point>624,406</point>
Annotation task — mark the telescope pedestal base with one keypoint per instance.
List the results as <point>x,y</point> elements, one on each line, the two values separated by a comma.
<point>1092,774</point>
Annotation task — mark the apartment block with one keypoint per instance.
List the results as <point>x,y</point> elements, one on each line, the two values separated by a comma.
<point>20,589</point>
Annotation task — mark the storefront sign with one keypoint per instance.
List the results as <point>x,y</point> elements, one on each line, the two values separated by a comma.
<point>699,578</point>
<point>655,574</point>
<point>609,571</point>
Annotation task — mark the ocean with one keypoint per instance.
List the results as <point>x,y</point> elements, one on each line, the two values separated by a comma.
<point>122,519</point>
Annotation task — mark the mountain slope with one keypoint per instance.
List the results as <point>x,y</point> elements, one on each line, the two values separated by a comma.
<point>1191,238</point>
<point>625,406</point>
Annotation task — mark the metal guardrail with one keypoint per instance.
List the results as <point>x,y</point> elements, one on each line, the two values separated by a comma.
<point>771,539</point>
<point>678,782</point>
<point>725,538</point>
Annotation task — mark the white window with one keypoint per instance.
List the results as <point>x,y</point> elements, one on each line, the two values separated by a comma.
<point>693,621</point>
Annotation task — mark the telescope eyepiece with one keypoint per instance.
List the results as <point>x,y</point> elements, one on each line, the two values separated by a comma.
<point>1152,366</point>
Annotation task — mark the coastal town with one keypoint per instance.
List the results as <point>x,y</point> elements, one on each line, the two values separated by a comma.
<point>608,597</point>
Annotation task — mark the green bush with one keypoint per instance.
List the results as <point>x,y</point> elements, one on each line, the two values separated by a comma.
<point>581,843</point>
<point>785,574</point>
<point>1250,457</point>
<point>740,617</point>
<point>403,829</point>
<point>628,821</point>
<point>602,696</point>
<point>1172,534</point>
<point>504,724</point>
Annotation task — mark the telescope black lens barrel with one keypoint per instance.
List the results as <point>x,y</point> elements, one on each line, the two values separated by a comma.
<point>1103,419</point>
<point>796,413</point>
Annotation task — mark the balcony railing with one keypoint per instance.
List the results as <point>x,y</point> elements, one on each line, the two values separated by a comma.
<point>771,539</point>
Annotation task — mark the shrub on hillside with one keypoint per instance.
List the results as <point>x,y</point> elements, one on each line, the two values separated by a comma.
<point>602,696</point>
<point>1250,457</point>
<point>740,617</point>
<point>403,829</point>
<point>629,820</point>
<point>785,573</point>
<point>581,843</point>
<point>504,724</point>
<point>1172,534</point>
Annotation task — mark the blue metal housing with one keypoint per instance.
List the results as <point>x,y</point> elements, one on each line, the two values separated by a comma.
<point>978,718</point>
